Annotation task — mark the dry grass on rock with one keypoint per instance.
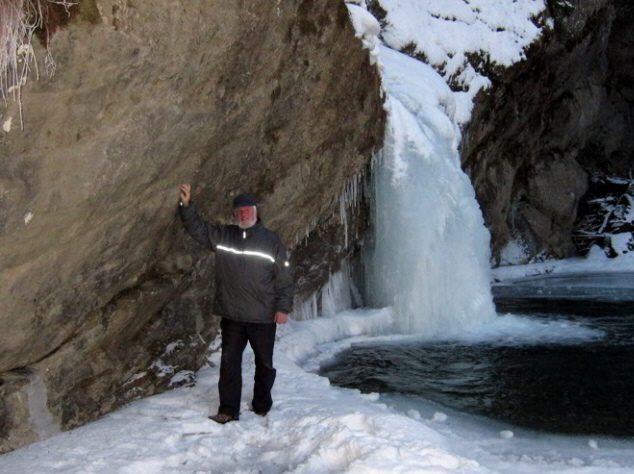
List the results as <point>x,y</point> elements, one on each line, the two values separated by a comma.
<point>19,21</point>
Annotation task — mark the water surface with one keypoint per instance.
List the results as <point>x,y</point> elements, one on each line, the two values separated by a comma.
<point>551,382</point>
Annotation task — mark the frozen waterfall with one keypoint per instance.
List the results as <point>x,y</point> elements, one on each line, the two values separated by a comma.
<point>429,258</point>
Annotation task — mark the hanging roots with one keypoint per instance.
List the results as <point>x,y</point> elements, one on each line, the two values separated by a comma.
<point>19,21</point>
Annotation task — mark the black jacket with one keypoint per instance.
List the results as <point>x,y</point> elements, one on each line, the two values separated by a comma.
<point>253,277</point>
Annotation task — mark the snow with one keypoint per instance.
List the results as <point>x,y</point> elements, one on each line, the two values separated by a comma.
<point>623,243</point>
<point>513,253</point>
<point>447,32</point>
<point>313,428</point>
<point>596,262</point>
<point>367,29</point>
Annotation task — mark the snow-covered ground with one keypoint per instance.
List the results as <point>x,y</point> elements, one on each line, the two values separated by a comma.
<point>313,428</point>
<point>595,262</point>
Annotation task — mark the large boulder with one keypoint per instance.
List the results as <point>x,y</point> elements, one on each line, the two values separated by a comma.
<point>103,298</point>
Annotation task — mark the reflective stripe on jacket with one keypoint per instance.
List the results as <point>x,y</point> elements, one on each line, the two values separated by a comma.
<point>253,276</point>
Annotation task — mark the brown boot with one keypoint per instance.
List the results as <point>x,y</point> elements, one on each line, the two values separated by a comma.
<point>222,418</point>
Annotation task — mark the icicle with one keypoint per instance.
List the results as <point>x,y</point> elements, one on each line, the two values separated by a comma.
<point>342,215</point>
<point>348,201</point>
<point>338,294</point>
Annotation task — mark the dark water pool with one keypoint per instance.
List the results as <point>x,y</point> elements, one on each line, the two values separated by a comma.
<point>573,387</point>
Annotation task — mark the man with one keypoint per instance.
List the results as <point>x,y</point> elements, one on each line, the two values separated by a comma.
<point>254,291</point>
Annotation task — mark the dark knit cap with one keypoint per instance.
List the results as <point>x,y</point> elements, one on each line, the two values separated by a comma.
<point>244,199</point>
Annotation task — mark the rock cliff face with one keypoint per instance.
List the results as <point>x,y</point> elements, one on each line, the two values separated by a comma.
<point>551,122</point>
<point>102,296</point>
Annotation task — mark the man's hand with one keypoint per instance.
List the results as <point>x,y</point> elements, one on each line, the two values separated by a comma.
<point>281,318</point>
<point>184,195</point>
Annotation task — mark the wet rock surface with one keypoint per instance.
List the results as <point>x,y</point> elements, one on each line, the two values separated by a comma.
<point>104,298</point>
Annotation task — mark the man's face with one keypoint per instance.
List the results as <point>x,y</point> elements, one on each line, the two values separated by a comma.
<point>245,216</point>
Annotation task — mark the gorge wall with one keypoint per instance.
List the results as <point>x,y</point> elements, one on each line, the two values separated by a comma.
<point>551,123</point>
<point>103,299</point>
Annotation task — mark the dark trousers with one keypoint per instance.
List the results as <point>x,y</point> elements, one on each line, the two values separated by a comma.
<point>234,340</point>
